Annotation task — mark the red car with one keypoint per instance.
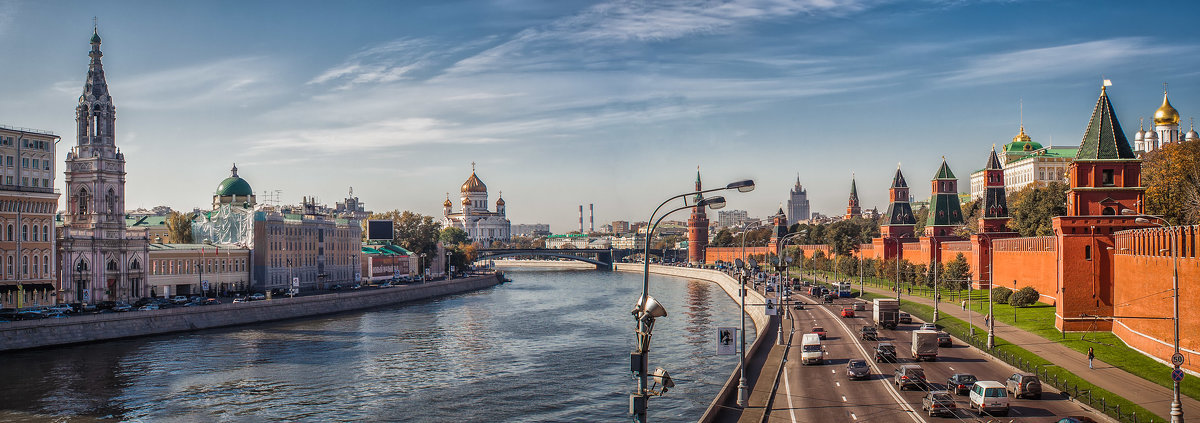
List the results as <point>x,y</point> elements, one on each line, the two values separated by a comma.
<point>820,331</point>
<point>847,312</point>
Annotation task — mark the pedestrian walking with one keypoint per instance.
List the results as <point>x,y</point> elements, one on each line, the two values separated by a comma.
<point>987,319</point>
<point>1091,356</point>
<point>964,304</point>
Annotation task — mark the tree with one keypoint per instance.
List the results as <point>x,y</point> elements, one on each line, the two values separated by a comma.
<point>971,214</point>
<point>845,235</point>
<point>958,273</point>
<point>453,236</point>
<point>722,239</point>
<point>179,228</point>
<point>1032,208</point>
<point>415,232</point>
<point>921,214</point>
<point>1024,297</point>
<point>1000,294</point>
<point>1171,176</point>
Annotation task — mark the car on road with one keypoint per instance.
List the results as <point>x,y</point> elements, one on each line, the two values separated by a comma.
<point>910,375</point>
<point>820,331</point>
<point>944,340</point>
<point>1024,385</point>
<point>210,301</point>
<point>938,403</point>
<point>179,299</point>
<point>905,317</point>
<point>257,296</point>
<point>148,307</point>
<point>847,312</point>
<point>60,308</point>
<point>56,315</point>
<point>858,306</point>
<point>885,352</point>
<point>240,300</point>
<point>336,287</point>
<point>928,326</point>
<point>1076,419</point>
<point>356,287</point>
<point>121,306</point>
<point>770,288</point>
<point>385,285</point>
<point>798,306</point>
<point>988,396</point>
<point>960,383</point>
<point>857,369</point>
<point>869,333</point>
<point>829,298</point>
<point>31,315</point>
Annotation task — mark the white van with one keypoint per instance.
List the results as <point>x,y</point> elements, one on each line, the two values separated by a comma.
<point>812,352</point>
<point>989,396</point>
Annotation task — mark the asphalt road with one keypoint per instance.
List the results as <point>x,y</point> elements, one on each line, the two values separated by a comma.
<point>823,393</point>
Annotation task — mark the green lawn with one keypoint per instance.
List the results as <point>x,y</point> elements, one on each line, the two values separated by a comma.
<point>1039,319</point>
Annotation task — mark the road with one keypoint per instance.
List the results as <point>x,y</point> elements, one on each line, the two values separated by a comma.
<point>823,393</point>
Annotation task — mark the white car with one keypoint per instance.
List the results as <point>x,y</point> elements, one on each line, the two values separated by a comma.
<point>928,326</point>
<point>148,307</point>
<point>989,396</point>
<point>179,299</point>
<point>60,308</point>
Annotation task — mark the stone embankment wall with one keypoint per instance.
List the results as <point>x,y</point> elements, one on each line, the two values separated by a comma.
<point>102,327</point>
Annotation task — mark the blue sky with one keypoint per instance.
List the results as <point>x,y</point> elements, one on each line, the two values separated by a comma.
<point>562,103</point>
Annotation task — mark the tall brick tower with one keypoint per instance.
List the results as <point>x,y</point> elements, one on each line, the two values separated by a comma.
<point>778,230</point>
<point>697,229</point>
<point>993,223</point>
<point>852,209</point>
<point>899,221</point>
<point>1105,179</point>
<point>945,214</point>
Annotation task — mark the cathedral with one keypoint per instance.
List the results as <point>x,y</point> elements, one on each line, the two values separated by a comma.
<point>481,225</point>
<point>1165,130</point>
<point>100,260</point>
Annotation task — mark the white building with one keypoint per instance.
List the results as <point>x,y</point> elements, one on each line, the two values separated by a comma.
<point>1027,162</point>
<point>481,225</point>
<point>1166,130</point>
<point>730,218</point>
<point>797,204</point>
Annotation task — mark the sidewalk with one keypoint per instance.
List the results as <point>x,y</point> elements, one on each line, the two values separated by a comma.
<point>1152,396</point>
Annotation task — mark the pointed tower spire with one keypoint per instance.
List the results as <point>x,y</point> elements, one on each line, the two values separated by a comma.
<point>1104,139</point>
<point>852,207</point>
<point>899,222</point>
<point>945,213</point>
<point>994,216</point>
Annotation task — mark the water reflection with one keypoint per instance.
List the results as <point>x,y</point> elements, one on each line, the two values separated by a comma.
<point>551,346</point>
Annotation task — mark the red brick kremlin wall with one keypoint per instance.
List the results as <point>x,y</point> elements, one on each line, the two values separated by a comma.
<point>1143,289</point>
<point>1029,261</point>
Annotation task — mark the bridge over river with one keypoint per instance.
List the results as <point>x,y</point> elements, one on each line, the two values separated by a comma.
<point>601,257</point>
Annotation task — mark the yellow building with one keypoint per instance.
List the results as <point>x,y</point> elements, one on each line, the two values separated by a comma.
<point>27,205</point>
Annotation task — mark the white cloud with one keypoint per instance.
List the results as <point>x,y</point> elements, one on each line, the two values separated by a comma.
<point>229,82</point>
<point>1051,62</point>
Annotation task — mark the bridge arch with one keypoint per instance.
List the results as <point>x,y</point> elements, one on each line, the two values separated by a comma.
<point>599,262</point>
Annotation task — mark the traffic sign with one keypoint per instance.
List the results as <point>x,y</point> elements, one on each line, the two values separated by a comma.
<point>1177,374</point>
<point>725,345</point>
<point>1177,359</point>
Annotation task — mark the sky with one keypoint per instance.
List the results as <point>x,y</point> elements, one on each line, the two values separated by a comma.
<point>562,103</point>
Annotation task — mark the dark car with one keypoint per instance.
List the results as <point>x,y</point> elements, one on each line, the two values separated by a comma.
<point>31,315</point>
<point>960,383</point>
<point>869,333</point>
<point>106,305</point>
<point>885,352</point>
<point>799,306</point>
<point>820,331</point>
<point>1024,385</point>
<point>857,369</point>
<point>938,402</point>
<point>905,317</point>
<point>944,339</point>
<point>910,375</point>
<point>1075,419</point>
<point>336,287</point>
<point>120,306</point>
<point>829,298</point>
<point>210,301</point>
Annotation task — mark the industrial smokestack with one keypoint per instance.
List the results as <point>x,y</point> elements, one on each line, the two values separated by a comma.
<point>591,218</point>
<point>581,218</point>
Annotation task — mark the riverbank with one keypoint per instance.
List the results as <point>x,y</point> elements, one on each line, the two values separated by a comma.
<point>103,327</point>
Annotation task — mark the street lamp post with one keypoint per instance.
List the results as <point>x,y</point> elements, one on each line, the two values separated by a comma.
<point>743,388</point>
<point>421,266</point>
<point>782,270</point>
<point>1176,403</point>
<point>647,309</point>
<point>448,275</point>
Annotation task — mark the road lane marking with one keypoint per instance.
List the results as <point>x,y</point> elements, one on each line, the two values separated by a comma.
<point>854,416</point>
<point>837,383</point>
<point>843,398</point>
<point>951,368</point>
<point>833,371</point>
<point>788,386</point>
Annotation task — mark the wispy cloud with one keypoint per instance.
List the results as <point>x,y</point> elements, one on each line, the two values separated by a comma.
<point>228,83</point>
<point>1052,62</point>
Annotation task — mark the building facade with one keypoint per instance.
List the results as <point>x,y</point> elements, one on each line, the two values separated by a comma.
<point>534,230</point>
<point>731,218</point>
<point>1026,162</point>
<point>99,259</point>
<point>27,206</point>
<point>305,248</point>
<point>482,226</point>
<point>198,269</point>
<point>797,204</point>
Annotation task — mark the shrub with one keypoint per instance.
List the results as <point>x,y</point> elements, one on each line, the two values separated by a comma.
<point>1000,294</point>
<point>1024,297</point>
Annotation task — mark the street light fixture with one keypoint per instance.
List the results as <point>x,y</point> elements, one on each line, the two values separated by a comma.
<point>1176,403</point>
<point>644,315</point>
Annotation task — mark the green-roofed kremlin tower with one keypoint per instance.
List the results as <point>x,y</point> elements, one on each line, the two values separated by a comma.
<point>994,216</point>
<point>1106,176</point>
<point>899,220</point>
<point>945,214</point>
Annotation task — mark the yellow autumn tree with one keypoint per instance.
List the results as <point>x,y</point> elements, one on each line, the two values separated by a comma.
<point>1171,176</point>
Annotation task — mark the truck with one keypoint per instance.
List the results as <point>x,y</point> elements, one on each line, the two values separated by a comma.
<point>844,290</point>
<point>924,345</point>
<point>886,312</point>
<point>811,350</point>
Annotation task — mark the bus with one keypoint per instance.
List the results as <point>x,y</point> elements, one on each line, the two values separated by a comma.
<point>843,289</point>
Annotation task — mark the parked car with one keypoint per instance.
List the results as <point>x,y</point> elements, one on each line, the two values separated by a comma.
<point>56,315</point>
<point>336,287</point>
<point>857,369</point>
<point>210,301</point>
<point>240,300</point>
<point>8,314</point>
<point>905,317</point>
<point>859,306</point>
<point>820,331</point>
<point>928,326</point>
<point>179,299</point>
<point>944,339</point>
<point>1024,385</point>
<point>148,307</point>
<point>385,285</point>
<point>60,308</point>
<point>910,375</point>
<point>106,305</point>
<point>960,383</point>
<point>30,315</point>
<point>937,403</point>
<point>257,296</point>
<point>988,396</point>
<point>356,286</point>
<point>885,352</point>
<point>847,312</point>
<point>869,333</point>
<point>121,306</point>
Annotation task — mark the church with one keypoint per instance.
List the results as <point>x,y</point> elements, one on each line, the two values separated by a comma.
<point>482,226</point>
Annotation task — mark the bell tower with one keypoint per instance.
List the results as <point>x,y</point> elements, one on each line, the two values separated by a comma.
<point>95,169</point>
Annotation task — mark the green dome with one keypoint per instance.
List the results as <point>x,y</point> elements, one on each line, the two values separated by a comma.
<point>234,185</point>
<point>95,37</point>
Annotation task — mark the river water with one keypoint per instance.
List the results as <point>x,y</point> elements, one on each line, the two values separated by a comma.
<point>551,346</point>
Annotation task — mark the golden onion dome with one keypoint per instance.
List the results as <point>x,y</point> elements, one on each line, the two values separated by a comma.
<point>500,201</point>
<point>1166,115</point>
<point>447,203</point>
<point>473,184</point>
<point>466,201</point>
<point>1022,137</point>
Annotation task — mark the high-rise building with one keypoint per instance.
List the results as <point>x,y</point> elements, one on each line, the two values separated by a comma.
<point>730,218</point>
<point>100,260</point>
<point>27,206</point>
<point>620,227</point>
<point>797,204</point>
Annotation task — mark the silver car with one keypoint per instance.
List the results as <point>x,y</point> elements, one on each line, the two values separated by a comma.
<point>857,369</point>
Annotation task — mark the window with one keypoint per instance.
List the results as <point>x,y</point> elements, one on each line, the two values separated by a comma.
<point>24,232</point>
<point>1106,177</point>
<point>45,165</point>
<point>1087,252</point>
<point>35,232</point>
<point>10,266</point>
<point>25,266</point>
<point>45,232</point>
<point>46,265</point>
<point>10,234</point>
<point>36,163</point>
<point>35,265</point>
<point>25,162</point>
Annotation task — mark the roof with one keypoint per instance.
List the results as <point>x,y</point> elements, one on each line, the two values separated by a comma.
<point>993,161</point>
<point>944,171</point>
<point>234,185</point>
<point>1104,139</point>
<point>396,249</point>
<point>209,247</point>
<point>132,221</point>
<point>898,180</point>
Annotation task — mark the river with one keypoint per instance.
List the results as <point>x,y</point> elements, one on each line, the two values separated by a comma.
<point>551,346</point>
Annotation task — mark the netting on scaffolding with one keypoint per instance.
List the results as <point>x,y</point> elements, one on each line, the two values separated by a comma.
<point>229,224</point>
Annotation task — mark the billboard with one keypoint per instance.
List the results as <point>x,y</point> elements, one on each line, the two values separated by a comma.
<point>380,230</point>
